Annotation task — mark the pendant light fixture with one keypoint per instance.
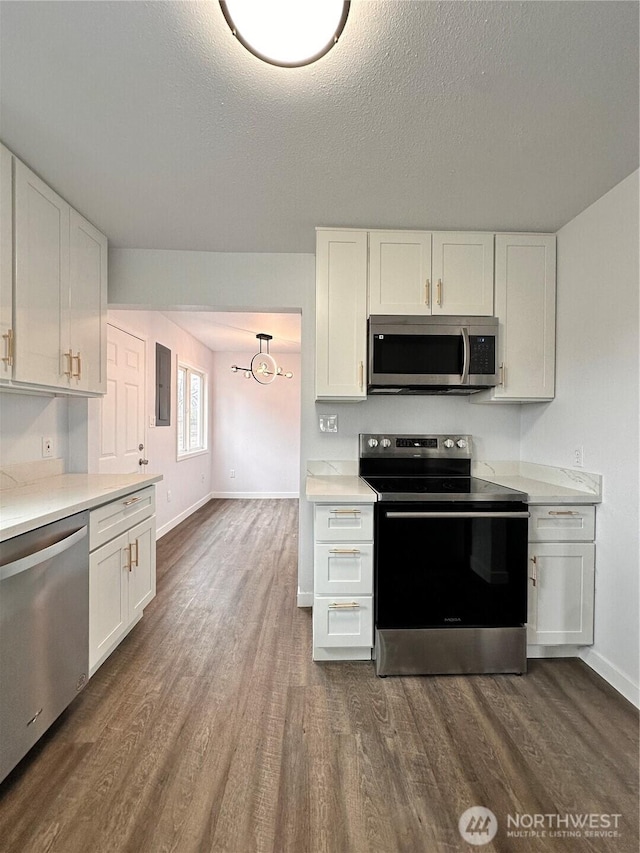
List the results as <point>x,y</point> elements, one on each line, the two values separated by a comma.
<point>263,365</point>
<point>289,33</point>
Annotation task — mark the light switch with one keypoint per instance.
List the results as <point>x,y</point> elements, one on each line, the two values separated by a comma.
<point>328,423</point>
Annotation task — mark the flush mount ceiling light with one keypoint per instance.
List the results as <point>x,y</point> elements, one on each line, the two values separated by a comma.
<point>263,365</point>
<point>286,32</point>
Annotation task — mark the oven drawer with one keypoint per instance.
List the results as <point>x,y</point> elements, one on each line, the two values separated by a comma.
<point>343,569</point>
<point>108,521</point>
<point>344,523</point>
<point>342,620</point>
<point>562,523</point>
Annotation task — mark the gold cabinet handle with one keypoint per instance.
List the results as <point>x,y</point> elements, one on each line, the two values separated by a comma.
<point>563,512</point>
<point>344,551</point>
<point>534,570</point>
<point>8,358</point>
<point>134,561</point>
<point>129,565</point>
<point>69,371</point>
<point>503,373</point>
<point>131,501</point>
<point>439,297</point>
<point>77,358</point>
<point>344,605</point>
<point>427,292</point>
<point>345,511</point>
<point>361,374</point>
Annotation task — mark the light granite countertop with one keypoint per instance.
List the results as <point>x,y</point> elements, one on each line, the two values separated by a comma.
<point>338,482</point>
<point>45,499</point>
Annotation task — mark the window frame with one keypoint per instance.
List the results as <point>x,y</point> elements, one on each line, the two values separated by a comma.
<point>191,370</point>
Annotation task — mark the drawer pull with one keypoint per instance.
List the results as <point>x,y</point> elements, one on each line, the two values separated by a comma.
<point>563,512</point>
<point>8,358</point>
<point>345,511</point>
<point>131,501</point>
<point>344,605</point>
<point>344,551</point>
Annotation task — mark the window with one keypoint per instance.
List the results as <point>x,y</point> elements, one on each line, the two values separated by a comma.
<point>192,410</point>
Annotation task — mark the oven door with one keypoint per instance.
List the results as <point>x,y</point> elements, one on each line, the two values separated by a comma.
<point>451,565</point>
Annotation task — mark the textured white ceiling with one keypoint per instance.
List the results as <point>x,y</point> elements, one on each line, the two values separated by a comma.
<point>155,123</point>
<point>229,331</point>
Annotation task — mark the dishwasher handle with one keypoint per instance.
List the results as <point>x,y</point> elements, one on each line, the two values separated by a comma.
<point>42,555</point>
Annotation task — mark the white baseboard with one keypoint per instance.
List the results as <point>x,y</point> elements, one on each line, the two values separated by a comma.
<point>255,495</point>
<point>182,516</point>
<point>553,651</point>
<point>305,599</point>
<point>617,679</point>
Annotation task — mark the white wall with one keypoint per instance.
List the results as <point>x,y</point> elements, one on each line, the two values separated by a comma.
<point>25,420</point>
<point>597,407</point>
<point>188,480</point>
<point>286,282</point>
<point>256,430</point>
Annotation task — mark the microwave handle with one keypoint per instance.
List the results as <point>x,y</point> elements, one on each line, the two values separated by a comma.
<point>467,355</point>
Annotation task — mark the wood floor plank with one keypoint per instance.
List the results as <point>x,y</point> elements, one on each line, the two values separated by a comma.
<point>211,730</point>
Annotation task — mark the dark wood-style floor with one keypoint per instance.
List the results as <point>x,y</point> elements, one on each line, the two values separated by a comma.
<point>210,729</point>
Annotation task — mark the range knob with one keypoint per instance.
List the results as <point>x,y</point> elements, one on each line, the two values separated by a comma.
<point>386,442</point>
<point>461,443</point>
<point>448,443</point>
<point>373,442</point>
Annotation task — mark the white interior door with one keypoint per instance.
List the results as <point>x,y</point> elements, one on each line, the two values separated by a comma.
<point>122,408</point>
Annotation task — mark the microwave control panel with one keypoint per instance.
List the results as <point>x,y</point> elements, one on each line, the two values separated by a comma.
<point>483,354</point>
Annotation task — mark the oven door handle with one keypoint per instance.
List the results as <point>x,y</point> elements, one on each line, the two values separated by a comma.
<point>456,515</point>
<point>467,356</point>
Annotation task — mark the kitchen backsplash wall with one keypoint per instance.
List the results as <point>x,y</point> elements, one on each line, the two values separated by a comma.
<point>25,420</point>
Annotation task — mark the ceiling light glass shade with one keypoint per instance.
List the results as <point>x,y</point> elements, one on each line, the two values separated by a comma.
<point>286,32</point>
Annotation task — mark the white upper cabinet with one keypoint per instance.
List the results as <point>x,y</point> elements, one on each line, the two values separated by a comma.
<point>462,274</point>
<point>6,264</point>
<point>41,282</point>
<point>417,272</point>
<point>88,305</point>
<point>341,314</point>
<point>53,287</point>
<point>399,272</point>
<point>525,289</point>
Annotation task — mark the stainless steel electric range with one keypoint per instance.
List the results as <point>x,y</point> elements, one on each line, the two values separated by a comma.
<point>450,559</point>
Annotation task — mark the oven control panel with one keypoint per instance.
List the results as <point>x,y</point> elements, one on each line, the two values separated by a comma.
<point>428,446</point>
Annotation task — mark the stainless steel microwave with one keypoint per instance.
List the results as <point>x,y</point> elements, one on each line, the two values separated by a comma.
<point>432,355</point>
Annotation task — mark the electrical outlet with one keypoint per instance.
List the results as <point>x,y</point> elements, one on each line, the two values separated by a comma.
<point>578,457</point>
<point>47,448</point>
<point>168,496</point>
<point>232,473</point>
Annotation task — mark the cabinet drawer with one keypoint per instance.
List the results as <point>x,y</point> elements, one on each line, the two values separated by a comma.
<point>116,517</point>
<point>343,620</point>
<point>343,570</point>
<point>562,523</point>
<point>344,523</point>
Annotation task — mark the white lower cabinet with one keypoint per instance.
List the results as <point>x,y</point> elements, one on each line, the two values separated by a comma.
<point>561,576</point>
<point>122,581</point>
<point>343,582</point>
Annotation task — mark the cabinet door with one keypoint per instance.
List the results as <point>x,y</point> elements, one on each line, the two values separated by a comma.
<point>343,568</point>
<point>108,598</point>
<point>142,577</point>
<point>462,269</point>
<point>6,263</point>
<point>41,282</point>
<point>561,593</point>
<point>526,307</point>
<point>88,305</point>
<point>400,272</point>
<point>341,315</point>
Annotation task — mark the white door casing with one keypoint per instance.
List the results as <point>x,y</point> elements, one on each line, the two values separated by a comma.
<point>122,422</point>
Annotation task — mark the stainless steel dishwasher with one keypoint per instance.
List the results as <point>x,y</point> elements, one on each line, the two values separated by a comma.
<point>44,631</point>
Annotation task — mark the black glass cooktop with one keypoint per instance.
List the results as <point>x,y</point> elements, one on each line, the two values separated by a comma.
<point>439,488</point>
